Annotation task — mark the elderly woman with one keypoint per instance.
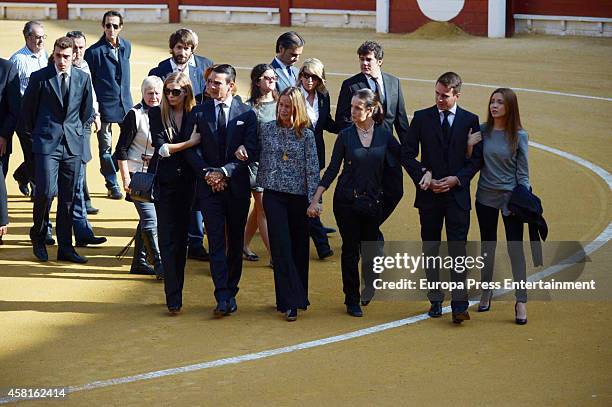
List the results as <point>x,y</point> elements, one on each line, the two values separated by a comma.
<point>133,152</point>
<point>289,174</point>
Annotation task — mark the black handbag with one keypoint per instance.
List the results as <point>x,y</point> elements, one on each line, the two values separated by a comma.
<point>367,204</point>
<point>142,184</point>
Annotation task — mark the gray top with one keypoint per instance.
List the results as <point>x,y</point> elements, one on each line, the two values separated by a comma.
<point>502,168</point>
<point>286,163</point>
<point>266,112</point>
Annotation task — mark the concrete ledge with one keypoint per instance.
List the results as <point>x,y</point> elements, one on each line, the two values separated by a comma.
<point>219,14</point>
<point>28,11</point>
<point>333,18</point>
<point>130,12</point>
<point>563,25</point>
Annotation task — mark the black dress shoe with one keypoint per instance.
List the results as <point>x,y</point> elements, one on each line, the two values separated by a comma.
<point>174,310</point>
<point>114,194</point>
<point>328,230</point>
<point>24,188</point>
<point>142,270</point>
<point>49,240</point>
<point>326,254</point>
<point>435,311</point>
<point>94,240</point>
<point>365,303</point>
<point>70,255</point>
<point>519,321</point>
<point>221,309</point>
<point>291,314</point>
<point>232,306</point>
<point>1,241</point>
<point>459,317</point>
<point>198,253</point>
<point>354,310</point>
<point>92,211</point>
<point>40,251</point>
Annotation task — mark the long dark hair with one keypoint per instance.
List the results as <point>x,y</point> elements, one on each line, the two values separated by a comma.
<point>370,100</point>
<point>256,94</point>
<point>513,117</point>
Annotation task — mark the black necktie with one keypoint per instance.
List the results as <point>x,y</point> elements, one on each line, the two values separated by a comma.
<point>446,127</point>
<point>379,92</point>
<point>64,86</point>
<point>221,130</point>
<point>290,75</point>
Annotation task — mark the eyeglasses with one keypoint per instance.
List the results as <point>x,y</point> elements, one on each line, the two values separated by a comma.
<point>109,25</point>
<point>173,92</point>
<point>38,37</point>
<point>269,78</point>
<point>309,76</point>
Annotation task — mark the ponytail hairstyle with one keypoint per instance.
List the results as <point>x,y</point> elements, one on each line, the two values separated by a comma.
<point>513,117</point>
<point>370,101</point>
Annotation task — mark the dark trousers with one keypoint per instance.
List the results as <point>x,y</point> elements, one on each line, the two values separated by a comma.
<point>173,207</point>
<point>55,174</point>
<point>317,233</point>
<point>354,229</point>
<point>224,213</point>
<point>3,191</point>
<point>288,234</point>
<point>445,211</point>
<point>487,221</point>
<point>25,172</point>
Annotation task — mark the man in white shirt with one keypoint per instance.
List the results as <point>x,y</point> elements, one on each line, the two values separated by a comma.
<point>27,60</point>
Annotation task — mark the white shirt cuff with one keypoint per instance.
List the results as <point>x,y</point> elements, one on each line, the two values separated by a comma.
<point>164,151</point>
<point>224,171</point>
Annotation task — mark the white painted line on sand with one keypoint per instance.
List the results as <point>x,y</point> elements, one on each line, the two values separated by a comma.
<point>603,238</point>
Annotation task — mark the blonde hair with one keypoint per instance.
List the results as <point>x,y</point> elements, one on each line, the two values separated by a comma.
<point>314,66</point>
<point>299,116</point>
<point>181,79</point>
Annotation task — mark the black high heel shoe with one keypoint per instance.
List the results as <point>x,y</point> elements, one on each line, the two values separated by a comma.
<point>519,321</point>
<point>487,295</point>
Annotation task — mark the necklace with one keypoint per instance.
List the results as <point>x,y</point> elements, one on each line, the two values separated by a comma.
<point>285,134</point>
<point>364,133</point>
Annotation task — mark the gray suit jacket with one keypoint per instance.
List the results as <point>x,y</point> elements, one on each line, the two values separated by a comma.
<point>284,81</point>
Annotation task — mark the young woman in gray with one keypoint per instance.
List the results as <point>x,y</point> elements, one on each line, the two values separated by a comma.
<point>505,151</point>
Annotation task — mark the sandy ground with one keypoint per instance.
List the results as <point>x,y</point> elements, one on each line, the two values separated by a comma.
<point>68,325</point>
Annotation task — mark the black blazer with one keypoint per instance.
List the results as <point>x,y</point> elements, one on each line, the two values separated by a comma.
<point>241,130</point>
<point>364,168</point>
<point>325,122</point>
<point>426,133</point>
<point>4,220</point>
<point>46,119</point>
<point>173,169</point>
<point>10,102</point>
<point>196,76</point>
<point>394,107</point>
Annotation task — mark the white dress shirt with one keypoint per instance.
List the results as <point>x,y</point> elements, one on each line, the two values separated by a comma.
<point>312,110</point>
<point>451,116</point>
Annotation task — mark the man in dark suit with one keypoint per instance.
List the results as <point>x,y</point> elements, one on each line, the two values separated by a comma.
<point>389,92</point>
<point>442,180</point>
<point>57,105</point>
<point>223,188</point>
<point>289,48</point>
<point>10,101</point>
<point>109,63</point>
<point>182,45</point>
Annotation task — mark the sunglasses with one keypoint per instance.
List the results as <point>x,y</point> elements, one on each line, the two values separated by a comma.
<point>309,76</point>
<point>39,37</point>
<point>269,78</point>
<point>173,92</point>
<point>109,26</point>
